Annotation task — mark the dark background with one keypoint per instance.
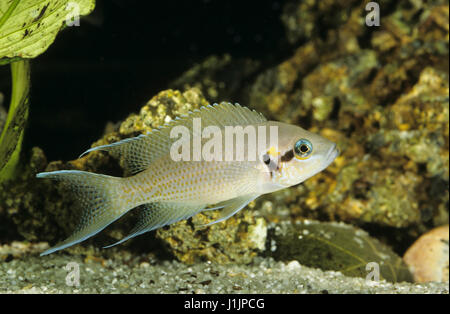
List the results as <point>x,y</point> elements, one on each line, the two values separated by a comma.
<point>127,51</point>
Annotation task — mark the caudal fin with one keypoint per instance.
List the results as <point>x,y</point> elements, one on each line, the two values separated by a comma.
<point>98,197</point>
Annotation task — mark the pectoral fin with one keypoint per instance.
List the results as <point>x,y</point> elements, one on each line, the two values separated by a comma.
<point>231,207</point>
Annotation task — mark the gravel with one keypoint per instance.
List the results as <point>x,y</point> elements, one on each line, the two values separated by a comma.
<point>143,273</point>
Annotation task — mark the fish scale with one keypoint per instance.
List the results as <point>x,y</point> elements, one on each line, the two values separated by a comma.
<point>175,183</point>
<point>167,190</point>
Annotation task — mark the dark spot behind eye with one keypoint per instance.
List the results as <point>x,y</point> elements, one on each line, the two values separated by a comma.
<point>287,156</point>
<point>266,159</point>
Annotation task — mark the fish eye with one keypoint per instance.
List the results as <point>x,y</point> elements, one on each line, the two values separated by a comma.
<point>302,149</point>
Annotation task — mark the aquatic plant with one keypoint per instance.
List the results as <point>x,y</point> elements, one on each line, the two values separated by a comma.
<point>27,29</point>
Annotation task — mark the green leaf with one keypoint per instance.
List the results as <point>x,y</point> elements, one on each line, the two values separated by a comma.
<point>29,27</point>
<point>12,134</point>
<point>339,247</point>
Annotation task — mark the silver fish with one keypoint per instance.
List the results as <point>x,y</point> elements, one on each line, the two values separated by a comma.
<point>171,190</point>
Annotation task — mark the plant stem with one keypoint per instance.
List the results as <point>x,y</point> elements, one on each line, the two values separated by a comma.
<point>12,134</point>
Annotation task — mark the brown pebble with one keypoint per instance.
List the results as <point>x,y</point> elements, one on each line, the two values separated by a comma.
<point>428,258</point>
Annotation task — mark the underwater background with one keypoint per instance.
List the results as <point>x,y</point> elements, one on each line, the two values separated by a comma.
<point>380,92</point>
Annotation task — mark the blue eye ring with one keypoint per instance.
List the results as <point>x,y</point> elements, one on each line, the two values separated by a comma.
<point>303,149</point>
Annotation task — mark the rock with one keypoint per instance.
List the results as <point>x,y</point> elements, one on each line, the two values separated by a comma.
<point>220,78</point>
<point>338,247</point>
<point>270,92</point>
<point>385,103</point>
<point>380,176</point>
<point>236,240</point>
<point>18,250</point>
<point>427,258</point>
<point>305,20</point>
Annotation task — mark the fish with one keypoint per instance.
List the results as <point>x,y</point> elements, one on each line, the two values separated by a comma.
<point>171,181</point>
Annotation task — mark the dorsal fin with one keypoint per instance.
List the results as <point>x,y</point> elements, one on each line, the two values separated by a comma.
<point>139,152</point>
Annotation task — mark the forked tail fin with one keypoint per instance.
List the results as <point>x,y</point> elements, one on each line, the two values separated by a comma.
<point>99,197</point>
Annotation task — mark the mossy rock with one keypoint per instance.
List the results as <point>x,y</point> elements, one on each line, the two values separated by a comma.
<point>236,240</point>
<point>338,247</point>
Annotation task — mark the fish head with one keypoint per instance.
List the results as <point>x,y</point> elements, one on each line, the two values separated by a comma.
<point>298,155</point>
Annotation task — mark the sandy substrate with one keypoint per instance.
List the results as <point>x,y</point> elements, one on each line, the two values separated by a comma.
<point>127,273</point>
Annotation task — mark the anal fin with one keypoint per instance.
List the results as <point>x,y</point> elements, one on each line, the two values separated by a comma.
<point>156,215</point>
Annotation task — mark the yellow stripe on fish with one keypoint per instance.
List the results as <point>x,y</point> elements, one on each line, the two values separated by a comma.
<point>219,177</point>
